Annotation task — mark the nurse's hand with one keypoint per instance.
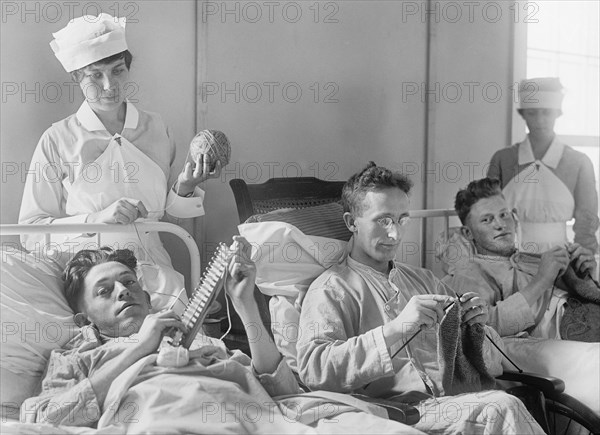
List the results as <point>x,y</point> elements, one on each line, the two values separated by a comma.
<point>122,211</point>
<point>195,173</point>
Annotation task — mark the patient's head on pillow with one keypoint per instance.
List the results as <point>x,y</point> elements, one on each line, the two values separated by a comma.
<point>101,286</point>
<point>371,178</point>
<point>487,220</point>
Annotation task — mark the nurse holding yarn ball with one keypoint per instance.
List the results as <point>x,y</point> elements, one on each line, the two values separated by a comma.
<point>112,162</point>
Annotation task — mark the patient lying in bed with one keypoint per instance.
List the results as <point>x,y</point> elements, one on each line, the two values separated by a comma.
<point>107,376</point>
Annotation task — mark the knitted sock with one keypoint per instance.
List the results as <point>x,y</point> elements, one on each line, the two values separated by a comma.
<point>473,349</point>
<point>460,354</point>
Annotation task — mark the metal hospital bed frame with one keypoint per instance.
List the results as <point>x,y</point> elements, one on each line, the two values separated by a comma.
<point>98,229</point>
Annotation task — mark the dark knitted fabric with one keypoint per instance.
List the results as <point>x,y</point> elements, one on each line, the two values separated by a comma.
<point>582,288</point>
<point>460,353</point>
<point>581,319</point>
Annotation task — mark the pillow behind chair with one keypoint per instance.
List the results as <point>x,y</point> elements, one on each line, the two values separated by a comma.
<point>287,262</point>
<point>321,220</point>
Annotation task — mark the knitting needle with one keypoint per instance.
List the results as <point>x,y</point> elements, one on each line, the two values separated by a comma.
<point>408,341</point>
<point>488,337</point>
<point>416,333</point>
<point>503,354</point>
<point>496,346</point>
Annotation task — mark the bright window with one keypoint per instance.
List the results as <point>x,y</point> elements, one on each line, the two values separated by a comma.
<point>563,41</point>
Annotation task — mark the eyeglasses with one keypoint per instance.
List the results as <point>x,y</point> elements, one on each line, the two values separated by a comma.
<point>387,222</point>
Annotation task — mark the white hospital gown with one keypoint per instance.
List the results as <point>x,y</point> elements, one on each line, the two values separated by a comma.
<point>498,279</point>
<point>342,348</point>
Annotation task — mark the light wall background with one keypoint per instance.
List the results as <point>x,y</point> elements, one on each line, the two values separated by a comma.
<point>363,69</point>
<point>162,38</point>
<point>423,92</point>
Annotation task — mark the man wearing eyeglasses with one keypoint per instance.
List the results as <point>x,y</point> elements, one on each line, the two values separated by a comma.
<point>369,324</point>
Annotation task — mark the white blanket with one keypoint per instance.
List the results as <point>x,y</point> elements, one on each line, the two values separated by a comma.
<point>575,362</point>
<point>221,397</point>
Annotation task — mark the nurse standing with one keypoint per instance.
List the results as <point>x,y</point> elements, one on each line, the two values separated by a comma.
<point>110,162</point>
<point>546,181</point>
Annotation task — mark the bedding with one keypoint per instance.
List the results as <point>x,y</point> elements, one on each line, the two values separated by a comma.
<point>287,261</point>
<point>143,398</point>
<point>575,362</point>
<point>320,220</point>
<point>35,319</point>
<point>220,395</point>
<point>216,393</point>
<point>312,239</point>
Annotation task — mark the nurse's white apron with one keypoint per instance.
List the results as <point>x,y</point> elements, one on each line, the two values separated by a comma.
<point>122,170</point>
<point>544,204</point>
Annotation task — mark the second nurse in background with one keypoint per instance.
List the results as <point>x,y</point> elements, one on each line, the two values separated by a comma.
<point>546,181</point>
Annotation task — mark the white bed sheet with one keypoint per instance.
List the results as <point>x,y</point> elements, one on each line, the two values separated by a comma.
<point>575,362</point>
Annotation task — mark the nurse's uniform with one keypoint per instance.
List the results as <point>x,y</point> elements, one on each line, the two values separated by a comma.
<point>550,191</point>
<point>79,168</point>
<point>547,193</point>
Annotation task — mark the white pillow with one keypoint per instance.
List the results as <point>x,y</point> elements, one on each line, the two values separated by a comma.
<point>36,319</point>
<point>165,285</point>
<point>287,262</point>
<point>453,250</point>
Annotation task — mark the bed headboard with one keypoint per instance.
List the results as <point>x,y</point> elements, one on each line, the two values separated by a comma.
<point>303,192</point>
<point>276,193</point>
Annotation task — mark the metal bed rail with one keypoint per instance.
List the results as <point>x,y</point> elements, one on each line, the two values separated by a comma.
<point>426,231</point>
<point>99,229</point>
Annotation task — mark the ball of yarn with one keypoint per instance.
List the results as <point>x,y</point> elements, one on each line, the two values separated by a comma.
<point>213,143</point>
<point>173,356</point>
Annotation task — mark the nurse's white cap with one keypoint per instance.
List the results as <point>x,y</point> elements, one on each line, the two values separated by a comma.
<point>88,39</point>
<point>540,93</point>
